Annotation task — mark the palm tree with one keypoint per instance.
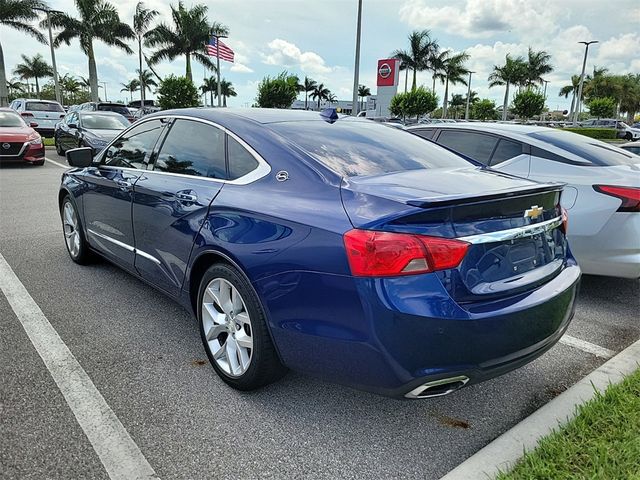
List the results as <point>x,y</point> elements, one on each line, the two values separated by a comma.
<point>142,19</point>
<point>363,92</point>
<point>571,89</point>
<point>513,72</point>
<point>98,20</point>
<point>147,79</point>
<point>457,103</point>
<point>35,67</point>
<point>226,90</point>
<point>332,98</point>
<point>15,86</point>
<point>188,35</point>
<point>320,92</point>
<point>85,83</point>
<point>436,65</point>
<point>453,72</point>
<point>473,98</point>
<point>421,48</point>
<point>538,64</point>
<point>309,86</point>
<point>210,85</point>
<point>16,14</point>
<point>69,84</point>
<point>131,86</point>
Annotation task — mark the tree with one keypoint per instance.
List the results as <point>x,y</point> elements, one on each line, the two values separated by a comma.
<point>421,48</point>
<point>415,102</point>
<point>484,109</point>
<point>277,92</point>
<point>131,86</point>
<point>458,102</point>
<point>453,72</point>
<point>68,85</point>
<point>147,80</point>
<point>226,90</point>
<point>473,97</point>
<point>363,92</point>
<point>142,19</point>
<point>528,103</point>
<point>573,90</point>
<point>190,33</point>
<point>320,93</point>
<point>513,72</point>
<point>98,20</point>
<point>17,14</point>
<point>309,86</point>
<point>35,67</point>
<point>177,92</point>
<point>602,107</point>
<point>210,85</point>
<point>538,64</point>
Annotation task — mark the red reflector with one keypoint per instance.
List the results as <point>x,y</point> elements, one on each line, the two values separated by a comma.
<point>26,114</point>
<point>630,196</point>
<point>385,254</point>
<point>565,220</point>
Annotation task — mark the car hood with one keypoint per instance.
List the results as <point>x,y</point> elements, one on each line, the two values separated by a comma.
<point>15,134</point>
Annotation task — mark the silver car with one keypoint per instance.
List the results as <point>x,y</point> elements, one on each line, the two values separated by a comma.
<point>42,115</point>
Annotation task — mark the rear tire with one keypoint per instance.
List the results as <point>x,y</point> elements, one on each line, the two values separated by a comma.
<point>74,238</point>
<point>628,136</point>
<point>234,331</point>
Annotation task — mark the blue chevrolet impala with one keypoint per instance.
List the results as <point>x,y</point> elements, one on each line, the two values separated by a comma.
<point>329,245</point>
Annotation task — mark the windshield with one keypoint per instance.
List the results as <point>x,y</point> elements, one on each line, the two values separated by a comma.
<point>590,150</point>
<point>43,107</point>
<point>104,122</point>
<point>8,119</point>
<point>360,147</point>
<point>114,108</point>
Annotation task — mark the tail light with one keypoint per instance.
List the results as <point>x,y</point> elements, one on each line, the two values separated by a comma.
<point>27,114</point>
<point>565,220</point>
<point>630,196</point>
<point>386,254</point>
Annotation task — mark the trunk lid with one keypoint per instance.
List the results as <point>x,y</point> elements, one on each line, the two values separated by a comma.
<point>511,223</point>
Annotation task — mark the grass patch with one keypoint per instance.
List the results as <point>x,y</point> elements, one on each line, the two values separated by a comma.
<point>598,133</point>
<point>48,142</point>
<point>601,442</point>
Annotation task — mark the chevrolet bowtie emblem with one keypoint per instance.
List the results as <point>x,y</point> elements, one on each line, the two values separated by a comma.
<point>533,212</point>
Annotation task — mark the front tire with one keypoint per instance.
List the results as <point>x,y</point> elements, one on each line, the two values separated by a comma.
<point>74,238</point>
<point>234,331</point>
<point>59,149</point>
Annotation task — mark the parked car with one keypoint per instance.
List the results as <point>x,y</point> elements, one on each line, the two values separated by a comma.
<point>44,113</point>
<point>86,128</point>
<point>141,112</point>
<point>19,142</point>
<point>107,107</point>
<point>633,147</point>
<point>624,130</point>
<point>330,245</point>
<point>603,189</point>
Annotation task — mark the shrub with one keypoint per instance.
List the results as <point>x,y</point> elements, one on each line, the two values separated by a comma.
<point>527,104</point>
<point>602,107</point>
<point>599,133</point>
<point>484,109</point>
<point>177,92</point>
<point>278,92</point>
<point>413,103</point>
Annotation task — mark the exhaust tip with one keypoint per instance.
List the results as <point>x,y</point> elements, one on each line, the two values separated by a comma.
<point>438,388</point>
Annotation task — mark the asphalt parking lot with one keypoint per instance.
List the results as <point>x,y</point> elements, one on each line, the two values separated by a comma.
<point>144,355</point>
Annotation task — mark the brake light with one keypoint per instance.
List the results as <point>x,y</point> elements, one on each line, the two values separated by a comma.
<point>630,196</point>
<point>26,114</point>
<point>387,254</point>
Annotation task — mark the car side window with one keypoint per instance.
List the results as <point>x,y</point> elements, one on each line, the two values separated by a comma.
<point>474,145</point>
<point>241,161</point>
<point>134,148</point>
<point>506,150</point>
<point>193,148</point>
<point>425,132</point>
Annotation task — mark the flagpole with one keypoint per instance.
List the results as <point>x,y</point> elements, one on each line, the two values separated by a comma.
<point>218,68</point>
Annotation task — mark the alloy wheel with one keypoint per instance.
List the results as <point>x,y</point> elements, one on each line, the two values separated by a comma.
<point>70,225</point>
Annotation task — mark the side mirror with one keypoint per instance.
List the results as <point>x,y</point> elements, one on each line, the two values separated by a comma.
<point>72,125</point>
<point>80,157</point>
<point>33,124</point>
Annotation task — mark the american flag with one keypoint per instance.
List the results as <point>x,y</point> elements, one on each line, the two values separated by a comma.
<point>225,52</point>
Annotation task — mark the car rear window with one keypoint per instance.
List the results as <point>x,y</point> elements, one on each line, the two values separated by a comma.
<point>360,147</point>
<point>591,151</point>
<point>114,108</point>
<point>43,107</point>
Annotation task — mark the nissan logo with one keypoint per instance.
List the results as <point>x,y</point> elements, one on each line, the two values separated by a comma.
<point>385,70</point>
<point>6,146</point>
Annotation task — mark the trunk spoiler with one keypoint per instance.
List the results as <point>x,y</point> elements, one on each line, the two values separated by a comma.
<point>462,199</point>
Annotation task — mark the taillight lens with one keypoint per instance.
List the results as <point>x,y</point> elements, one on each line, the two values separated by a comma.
<point>386,254</point>
<point>26,114</point>
<point>630,196</point>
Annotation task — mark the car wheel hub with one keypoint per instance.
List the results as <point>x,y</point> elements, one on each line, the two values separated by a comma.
<point>70,225</point>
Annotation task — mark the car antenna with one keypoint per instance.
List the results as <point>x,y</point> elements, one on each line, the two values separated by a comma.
<point>329,115</point>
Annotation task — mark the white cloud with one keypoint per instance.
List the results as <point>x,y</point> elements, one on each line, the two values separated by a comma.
<point>240,68</point>
<point>289,55</point>
<point>620,48</point>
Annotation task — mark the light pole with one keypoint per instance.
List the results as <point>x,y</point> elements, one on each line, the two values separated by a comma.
<point>53,54</point>
<point>356,71</point>
<point>545,97</point>
<point>576,114</point>
<point>218,37</point>
<point>466,110</point>
<point>104,85</point>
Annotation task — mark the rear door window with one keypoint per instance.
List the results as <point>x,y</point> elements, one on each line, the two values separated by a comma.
<point>193,148</point>
<point>134,149</point>
<point>506,150</point>
<point>474,145</point>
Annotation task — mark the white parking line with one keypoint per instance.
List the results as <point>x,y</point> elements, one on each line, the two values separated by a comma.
<point>117,451</point>
<point>588,347</point>
<point>56,163</point>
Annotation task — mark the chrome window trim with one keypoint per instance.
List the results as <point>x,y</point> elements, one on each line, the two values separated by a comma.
<point>126,246</point>
<point>24,147</point>
<point>262,170</point>
<point>514,233</point>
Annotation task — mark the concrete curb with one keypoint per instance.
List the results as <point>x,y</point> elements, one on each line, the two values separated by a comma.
<point>505,450</point>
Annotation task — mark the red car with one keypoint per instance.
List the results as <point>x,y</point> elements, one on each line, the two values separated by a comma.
<point>19,141</point>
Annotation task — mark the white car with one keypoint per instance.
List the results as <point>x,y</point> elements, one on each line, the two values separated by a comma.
<point>43,114</point>
<point>633,147</point>
<point>602,195</point>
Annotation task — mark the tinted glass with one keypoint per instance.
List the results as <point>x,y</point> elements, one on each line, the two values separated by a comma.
<point>193,148</point>
<point>43,107</point>
<point>353,147</point>
<point>73,118</point>
<point>241,161</point>
<point>633,149</point>
<point>474,145</point>
<point>8,119</point>
<point>506,151</point>
<point>122,110</point>
<point>134,149</point>
<point>591,151</point>
<point>104,122</point>
<point>424,133</point>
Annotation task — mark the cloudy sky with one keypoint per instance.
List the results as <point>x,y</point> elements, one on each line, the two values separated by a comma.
<point>318,39</point>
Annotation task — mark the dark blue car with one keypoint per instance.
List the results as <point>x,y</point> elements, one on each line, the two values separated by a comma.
<point>329,245</point>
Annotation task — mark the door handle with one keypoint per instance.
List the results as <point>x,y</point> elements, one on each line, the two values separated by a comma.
<point>124,185</point>
<point>186,197</point>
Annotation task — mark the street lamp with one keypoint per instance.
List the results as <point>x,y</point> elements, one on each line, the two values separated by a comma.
<point>545,96</point>
<point>466,110</point>
<point>356,71</point>
<point>219,90</point>
<point>53,55</point>
<point>576,114</point>
<point>104,85</point>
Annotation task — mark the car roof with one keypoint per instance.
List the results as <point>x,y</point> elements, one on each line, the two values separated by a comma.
<point>254,115</point>
<point>36,100</point>
<point>489,127</point>
<point>105,113</point>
